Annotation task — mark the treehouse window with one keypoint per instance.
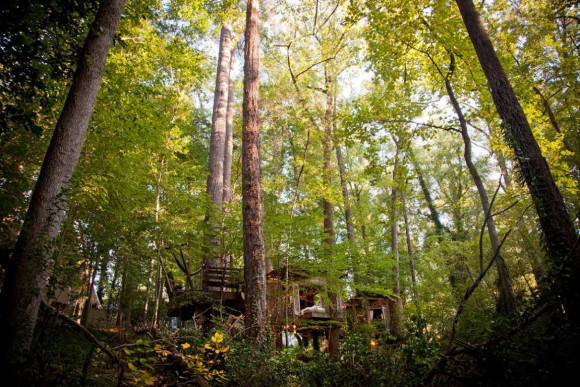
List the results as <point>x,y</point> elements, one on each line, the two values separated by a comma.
<point>308,299</point>
<point>377,314</point>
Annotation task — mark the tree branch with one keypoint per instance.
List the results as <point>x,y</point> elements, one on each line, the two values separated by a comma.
<point>88,335</point>
<point>447,128</point>
<point>311,66</point>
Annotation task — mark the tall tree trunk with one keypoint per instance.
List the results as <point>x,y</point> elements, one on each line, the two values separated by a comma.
<point>215,180</point>
<point>229,145</point>
<point>27,273</point>
<point>159,244</point>
<point>555,125</point>
<point>506,302</point>
<point>256,319</point>
<point>433,213</point>
<point>103,275</point>
<point>501,162</point>
<point>150,280</point>
<point>410,247</point>
<point>560,238</point>
<point>345,195</point>
<point>396,304</point>
<point>158,287</point>
<point>327,145</point>
<point>229,149</point>
<point>551,116</point>
<point>124,307</point>
<point>91,286</point>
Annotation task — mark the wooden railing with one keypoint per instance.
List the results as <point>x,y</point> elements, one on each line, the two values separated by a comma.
<point>221,279</point>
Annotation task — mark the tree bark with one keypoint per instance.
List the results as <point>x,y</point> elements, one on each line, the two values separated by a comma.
<point>553,120</point>
<point>229,145</point>
<point>26,278</point>
<point>253,206</point>
<point>501,162</point>
<point>410,247</point>
<point>327,155</point>
<point>330,241</point>
<point>91,286</point>
<point>396,304</point>
<point>158,288</point>
<point>345,196</point>
<point>506,302</point>
<point>560,237</point>
<point>228,152</point>
<point>159,244</point>
<point>433,213</point>
<point>215,180</point>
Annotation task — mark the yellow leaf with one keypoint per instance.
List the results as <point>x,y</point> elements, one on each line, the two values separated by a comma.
<point>185,346</point>
<point>217,337</point>
<point>207,346</point>
<point>132,367</point>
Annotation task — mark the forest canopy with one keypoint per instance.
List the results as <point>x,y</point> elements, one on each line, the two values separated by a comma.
<point>300,193</point>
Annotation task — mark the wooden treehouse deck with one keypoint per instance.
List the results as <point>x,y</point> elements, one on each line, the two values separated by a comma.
<point>217,286</point>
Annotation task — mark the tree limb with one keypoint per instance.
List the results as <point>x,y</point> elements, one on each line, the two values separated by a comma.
<point>88,335</point>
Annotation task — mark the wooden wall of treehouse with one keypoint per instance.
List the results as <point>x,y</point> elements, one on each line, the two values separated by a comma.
<point>370,310</point>
<point>300,300</point>
<point>94,317</point>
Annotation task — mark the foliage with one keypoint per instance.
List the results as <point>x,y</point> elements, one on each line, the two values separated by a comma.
<point>137,201</point>
<point>159,363</point>
<point>367,357</point>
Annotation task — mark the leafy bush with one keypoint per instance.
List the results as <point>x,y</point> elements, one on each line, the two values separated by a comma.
<point>176,362</point>
<point>367,358</point>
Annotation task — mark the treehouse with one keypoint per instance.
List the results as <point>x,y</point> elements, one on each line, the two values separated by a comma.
<point>370,308</point>
<point>300,302</point>
<point>91,310</point>
<point>215,286</point>
<point>296,296</point>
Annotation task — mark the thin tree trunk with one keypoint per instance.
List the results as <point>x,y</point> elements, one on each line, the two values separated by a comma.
<point>103,276</point>
<point>80,304</point>
<point>553,121</point>
<point>501,162</point>
<point>215,180</point>
<point>159,244</point>
<point>229,146</point>
<point>327,148</point>
<point>27,274</point>
<point>148,288</point>
<point>433,213</point>
<point>410,247</point>
<point>333,332</point>
<point>560,238</point>
<point>549,111</point>
<point>114,285</point>
<point>91,284</point>
<point>256,319</point>
<point>345,195</point>
<point>121,301</point>
<point>158,288</point>
<point>506,301</point>
<point>396,304</point>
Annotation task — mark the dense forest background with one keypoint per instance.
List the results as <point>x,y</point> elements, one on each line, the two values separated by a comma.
<point>388,168</point>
